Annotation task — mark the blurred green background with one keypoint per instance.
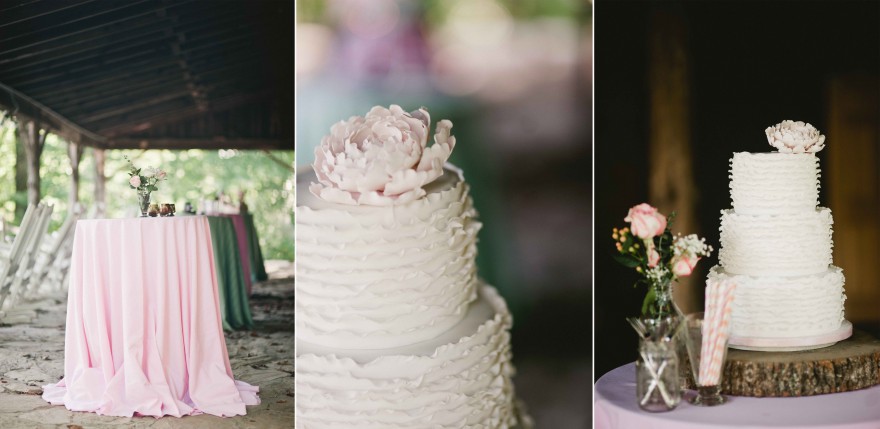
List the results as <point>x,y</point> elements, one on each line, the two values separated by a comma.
<point>193,175</point>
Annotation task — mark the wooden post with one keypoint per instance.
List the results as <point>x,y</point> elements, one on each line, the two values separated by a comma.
<point>853,184</point>
<point>100,184</point>
<point>671,186</point>
<point>33,148</point>
<point>74,152</point>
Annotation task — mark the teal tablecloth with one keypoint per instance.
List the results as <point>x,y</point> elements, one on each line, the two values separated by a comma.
<point>234,304</point>
<point>258,269</point>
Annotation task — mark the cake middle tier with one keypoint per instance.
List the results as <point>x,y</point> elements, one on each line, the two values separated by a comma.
<point>377,277</point>
<point>776,245</point>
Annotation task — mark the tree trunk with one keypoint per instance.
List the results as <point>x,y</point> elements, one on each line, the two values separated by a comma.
<point>670,160</point>
<point>21,175</point>
<point>33,145</point>
<point>100,184</point>
<point>74,152</point>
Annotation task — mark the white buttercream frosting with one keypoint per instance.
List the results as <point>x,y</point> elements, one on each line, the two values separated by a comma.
<point>458,379</point>
<point>774,183</point>
<point>373,277</point>
<point>776,245</point>
<point>785,307</point>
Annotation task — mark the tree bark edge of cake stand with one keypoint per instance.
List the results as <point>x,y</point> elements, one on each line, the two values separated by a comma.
<point>851,364</point>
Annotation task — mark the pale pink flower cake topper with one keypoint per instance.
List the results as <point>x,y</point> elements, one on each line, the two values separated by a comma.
<point>795,137</point>
<point>381,159</point>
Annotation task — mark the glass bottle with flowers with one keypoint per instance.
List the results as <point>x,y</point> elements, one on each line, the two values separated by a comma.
<point>144,180</point>
<point>648,246</point>
<point>661,258</point>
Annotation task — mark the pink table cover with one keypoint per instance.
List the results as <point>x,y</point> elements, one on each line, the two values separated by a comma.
<point>144,335</point>
<point>616,407</point>
<point>241,234</point>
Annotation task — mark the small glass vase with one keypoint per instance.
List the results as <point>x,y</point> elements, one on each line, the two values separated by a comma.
<point>144,202</point>
<point>663,307</point>
<point>657,381</point>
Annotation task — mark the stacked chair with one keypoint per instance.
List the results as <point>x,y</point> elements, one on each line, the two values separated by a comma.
<point>32,260</point>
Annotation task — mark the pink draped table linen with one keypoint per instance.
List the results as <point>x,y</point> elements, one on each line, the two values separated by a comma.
<point>144,333</point>
<point>616,407</point>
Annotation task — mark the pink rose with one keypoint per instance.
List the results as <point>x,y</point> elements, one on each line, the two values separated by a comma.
<point>653,257</point>
<point>135,181</point>
<point>162,175</point>
<point>683,266</point>
<point>645,221</point>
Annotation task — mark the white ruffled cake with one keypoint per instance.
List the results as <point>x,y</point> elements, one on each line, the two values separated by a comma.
<point>393,327</point>
<point>776,245</point>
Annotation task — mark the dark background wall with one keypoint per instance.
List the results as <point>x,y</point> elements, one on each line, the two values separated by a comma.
<point>752,65</point>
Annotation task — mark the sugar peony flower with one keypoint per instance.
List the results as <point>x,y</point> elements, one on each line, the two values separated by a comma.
<point>135,181</point>
<point>645,221</point>
<point>381,159</point>
<point>795,137</point>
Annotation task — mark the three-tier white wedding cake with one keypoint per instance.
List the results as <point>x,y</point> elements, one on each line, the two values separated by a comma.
<point>394,329</point>
<point>776,245</point>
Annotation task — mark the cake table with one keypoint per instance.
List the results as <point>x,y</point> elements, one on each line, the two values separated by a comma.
<point>616,408</point>
<point>143,332</point>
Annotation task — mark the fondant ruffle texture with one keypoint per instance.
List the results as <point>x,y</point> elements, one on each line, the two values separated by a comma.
<point>380,277</point>
<point>461,379</point>
<point>785,307</point>
<point>774,183</point>
<point>776,245</point>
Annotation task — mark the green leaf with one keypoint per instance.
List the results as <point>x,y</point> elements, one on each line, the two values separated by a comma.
<point>627,261</point>
<point>650,297</point>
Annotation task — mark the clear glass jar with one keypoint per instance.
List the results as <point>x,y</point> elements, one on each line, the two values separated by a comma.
<point>657,376</point>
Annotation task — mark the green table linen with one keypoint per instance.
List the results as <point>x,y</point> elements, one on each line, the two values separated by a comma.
<point>234,305</point>
<point>258,269</point>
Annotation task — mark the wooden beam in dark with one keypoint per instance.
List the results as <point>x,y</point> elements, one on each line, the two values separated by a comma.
<point>131,107</point>
<point>142,124</point>
<point>66,80</point>
<point>202,143</point>
<point>32,11</point>
<point>113,92</point>
<point>99,15</point>
<point>21,105</point>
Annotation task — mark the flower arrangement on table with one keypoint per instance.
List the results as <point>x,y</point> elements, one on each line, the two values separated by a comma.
<point>648,245</point>
<point>144,180</point>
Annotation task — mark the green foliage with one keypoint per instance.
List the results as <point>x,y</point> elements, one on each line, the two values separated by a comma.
<point>192,175</point>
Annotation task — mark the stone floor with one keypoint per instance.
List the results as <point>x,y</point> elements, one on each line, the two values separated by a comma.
<point>32,354</point>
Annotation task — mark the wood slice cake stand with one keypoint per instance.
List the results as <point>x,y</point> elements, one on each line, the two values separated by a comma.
<point>851,364</point>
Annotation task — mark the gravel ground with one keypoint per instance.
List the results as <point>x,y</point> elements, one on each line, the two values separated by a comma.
<point>32,354</point>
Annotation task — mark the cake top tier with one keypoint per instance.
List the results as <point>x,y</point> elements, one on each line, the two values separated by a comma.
<point>774,183</point>
<point>381,159</point>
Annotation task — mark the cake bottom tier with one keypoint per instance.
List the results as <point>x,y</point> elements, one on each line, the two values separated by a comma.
<point>785,307</point>
<point>460,379</point>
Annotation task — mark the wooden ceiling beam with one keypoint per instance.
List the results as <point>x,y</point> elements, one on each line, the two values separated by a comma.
<point>124,109</point>
<point>19,104</point>
<point>101,16</point>
<point>199,143</point>
<point>33,11</point>
<point>141,124</point>
<point>102,35</point>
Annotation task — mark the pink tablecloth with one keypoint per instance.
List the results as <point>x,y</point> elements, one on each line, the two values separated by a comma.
<point>615,407</point>
<point>144,334</point>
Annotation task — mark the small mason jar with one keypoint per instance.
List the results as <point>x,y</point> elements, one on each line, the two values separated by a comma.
<point>657,379</point>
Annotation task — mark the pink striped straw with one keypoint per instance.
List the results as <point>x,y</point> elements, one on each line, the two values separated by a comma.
<point>719,299</point>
